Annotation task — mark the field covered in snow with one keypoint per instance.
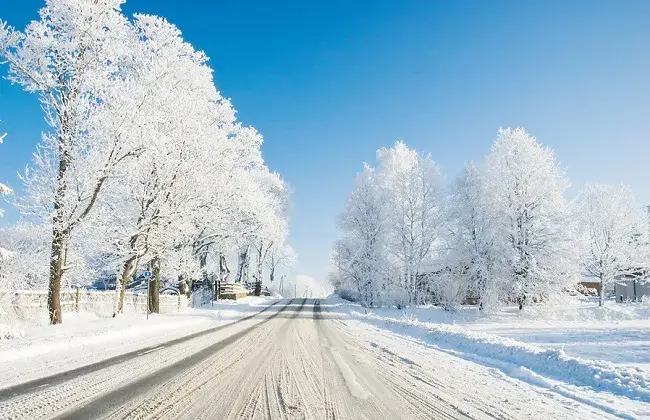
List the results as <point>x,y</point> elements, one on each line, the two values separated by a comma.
<point>595,355</point>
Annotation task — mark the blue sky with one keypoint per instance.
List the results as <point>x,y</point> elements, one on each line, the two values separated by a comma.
<point>329,82</point>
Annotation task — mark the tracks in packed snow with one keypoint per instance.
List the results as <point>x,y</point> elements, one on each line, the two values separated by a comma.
<point>46,397</point>
<point>59,378</point>
<point>292,364</point>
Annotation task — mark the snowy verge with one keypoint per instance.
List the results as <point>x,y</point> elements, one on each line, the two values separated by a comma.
<point>631,382</point>
<point>8,332</point>
<point>85,338</point>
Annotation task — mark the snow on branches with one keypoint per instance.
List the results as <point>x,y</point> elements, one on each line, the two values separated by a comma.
<point>4,190</point>
<point>502,232</point>
<point>144,163</point>
<point>613,229</point>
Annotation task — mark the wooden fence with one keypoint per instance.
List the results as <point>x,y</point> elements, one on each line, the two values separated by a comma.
<point>31,306</point>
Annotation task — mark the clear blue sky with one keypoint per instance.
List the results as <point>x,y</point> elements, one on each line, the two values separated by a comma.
<point>329,82</point>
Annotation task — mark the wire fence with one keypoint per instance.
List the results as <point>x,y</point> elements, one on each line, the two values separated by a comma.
<point>31,306</point>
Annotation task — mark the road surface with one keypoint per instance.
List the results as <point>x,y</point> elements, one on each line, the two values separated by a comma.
<point>295,360</point>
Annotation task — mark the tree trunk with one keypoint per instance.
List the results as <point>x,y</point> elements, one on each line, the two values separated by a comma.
<point>183,287</point>
<point>207,281</point>
<point>601,297</point>
<point>154,287</point>
<point>56,274</point>
<point>224,271</point>
<point>59,237</point>
<point>203,263</point>
<point>258,274</point>
<point>242,266</point>
<point>129,268</point>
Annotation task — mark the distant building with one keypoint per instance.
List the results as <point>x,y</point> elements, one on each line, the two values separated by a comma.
<point>632,290</point>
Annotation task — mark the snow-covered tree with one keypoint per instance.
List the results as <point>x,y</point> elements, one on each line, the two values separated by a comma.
<point>23,264</point>
<point>166,184</point>
<point>470,242</point>
<point>504,232</point>
<point>72,58</point>
<point>361,255</point>
<point>411,184</point>
<point>533,238</point>
<point>145,162</point>
<point>4,190</point>
<point>279,254</point>
<point>270,211</point>
<point>612,227</point>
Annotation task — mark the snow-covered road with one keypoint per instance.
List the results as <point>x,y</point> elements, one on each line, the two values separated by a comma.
<point>294,360</point>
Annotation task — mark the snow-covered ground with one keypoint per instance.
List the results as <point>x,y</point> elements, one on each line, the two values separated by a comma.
<point>85,338</point>
<point>594,355</point>
<point>618,333</point>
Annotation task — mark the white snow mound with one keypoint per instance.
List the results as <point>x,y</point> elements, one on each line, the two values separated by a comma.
<point>631,382</point>
<point>9,333</point>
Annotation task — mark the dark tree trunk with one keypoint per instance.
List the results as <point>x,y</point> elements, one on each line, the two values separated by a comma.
<point>56,274</point>
<point>183,287</point>
<point>242,266</point>
<point>154,287</point>
<point>129,267</point>
<point>59,234</point>
<point>224,271</point>
<point>208,281</point>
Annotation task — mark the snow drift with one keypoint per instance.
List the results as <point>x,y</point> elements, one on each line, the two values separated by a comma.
<point>631,382</point>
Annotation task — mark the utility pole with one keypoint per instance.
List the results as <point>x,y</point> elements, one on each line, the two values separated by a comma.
<point>295,290</point>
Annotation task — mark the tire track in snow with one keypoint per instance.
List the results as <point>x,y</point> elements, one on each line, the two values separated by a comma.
<point>59,378</point>
<point>115,398</point>
<point>299,365</point>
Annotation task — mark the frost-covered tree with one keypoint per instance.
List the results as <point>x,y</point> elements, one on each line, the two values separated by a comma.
<point>612,227</point>
<point>72,58</point>
<point>166,184</point>
<point>360,256</point>
<point>24,264</point>
<point>279,254</point>
<point>4,190</point>
<point>270,210</point>
<point>145,163</point>
<point>411,184</point>
<point>533,238</point>
<point>5,254</point>
<point>469,259</point>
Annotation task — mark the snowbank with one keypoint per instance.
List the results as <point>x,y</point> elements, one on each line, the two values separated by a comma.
<point>7,332</point>
<point>580,311</point>
<point>86,338</point>
<point>631,382</point>
<point>86,330</point>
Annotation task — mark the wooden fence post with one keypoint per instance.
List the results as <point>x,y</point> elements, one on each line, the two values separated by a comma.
<point>76,300</point>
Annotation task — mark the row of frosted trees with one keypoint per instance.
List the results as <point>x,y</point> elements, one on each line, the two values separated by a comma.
<point>144,163</point>
<point>503,232</point>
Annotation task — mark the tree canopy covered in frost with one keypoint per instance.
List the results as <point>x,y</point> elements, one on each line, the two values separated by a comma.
<point>4,190</point>
<point>502,232</point>
<point>144,163</point>
<point>392,226</point>
<point>533,235</point>
<point>614,230</point>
